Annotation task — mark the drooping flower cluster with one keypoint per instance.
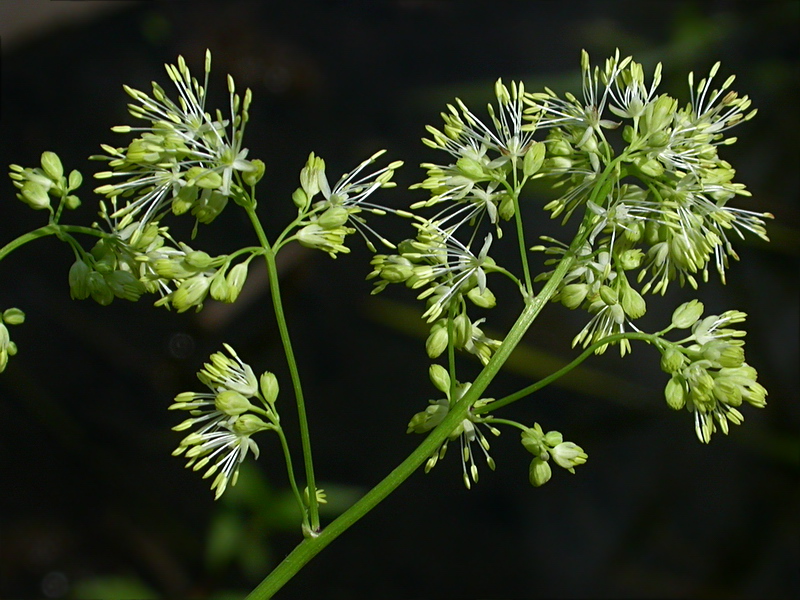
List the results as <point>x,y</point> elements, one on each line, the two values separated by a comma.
<point>550,447</point>
<point>226,417</point>
<point>185,159</point>
<point>709,375</point>
<point>670,219</point>
<point>131,261</point>
<point>467,431</point>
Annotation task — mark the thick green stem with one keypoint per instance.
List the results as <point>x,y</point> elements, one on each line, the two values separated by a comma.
<point>305,437</point>
<point>310,547</point>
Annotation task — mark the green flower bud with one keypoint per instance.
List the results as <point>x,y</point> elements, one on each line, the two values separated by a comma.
<point>440,378</point>
<point>334,217</point>
<point>533,439</point>
<point>573,295</point>
<point>79,280</point>
<point>99,290</point>
<point>170,268</point>
<point>533,159</point>
<point>658,114</point>
<point>329,240</point>
<point>219,286</point>
<point>203,178</point>
<point>568,455</point>
<point>232,403</point>
<point>659,139</point>
<point>185,199</point>
<point>485,299</point>
<point>254,173</point>
<point>673,360</point>
<point>429,418</point>
<point>235,280</point>
<point>632,303</point>
<point>5,338</point>
<point>72,202</point>
<point>13,316</point>
<point>34,195</point>
<point>506,209</point>
<point>437,340</point>
<point>540,472</point>
<point>197,259</point>
<point>561,148</point>
<point>310,175</point>
<point>687,314</point>
<point>191,293</point>
<point>675,393</point>
<point>124,285</point>
<point>727,392</point>
<point>209,206</point>
<point>471,168</point>
<point>75,180</point>
<point>631,259</point>
<point>553,438</point>
<point>609,295</point>
<point>650,167</point>
<point>462,330</point>
<point>300,199</point>
<point>249,424</point>
<point>51,165</point>
<point>269,387</point>
<point>396,269</point>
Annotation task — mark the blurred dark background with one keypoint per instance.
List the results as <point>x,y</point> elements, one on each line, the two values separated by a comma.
<point>94,506</point>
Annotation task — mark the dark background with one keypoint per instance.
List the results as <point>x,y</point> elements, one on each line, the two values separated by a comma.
<point>93,505</point>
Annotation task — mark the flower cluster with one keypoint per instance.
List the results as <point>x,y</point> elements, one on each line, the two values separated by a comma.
<point>38,185</point>
<point>467,431</point>
<point>670,220</point>
<point>185,160</point>
<point>10,316</point>
<point>547,446</point>
<point>709,375</point>
<point>226,417</point>
<point>324,224</point>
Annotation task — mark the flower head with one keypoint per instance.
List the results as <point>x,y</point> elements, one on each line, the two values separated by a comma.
<point>227,416</point>
<point>186,159</point>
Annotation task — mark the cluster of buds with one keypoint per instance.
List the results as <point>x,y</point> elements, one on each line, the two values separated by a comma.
<point>187,277</point>
<point>324,224</point>
<point>709,375</point>
<point>467,431</point>
<point>237,406</point>
<point>10,316</point>
<point>186,160</point>
<point>547,446</point>
<point>38,185</point>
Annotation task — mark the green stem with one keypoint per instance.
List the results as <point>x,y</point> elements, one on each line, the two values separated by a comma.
<point>523,248</point>
<point>290,471</point>
<point>51,229</point>
<point>535,387</point>
<point>275,292</point>
<point>311,546</point>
